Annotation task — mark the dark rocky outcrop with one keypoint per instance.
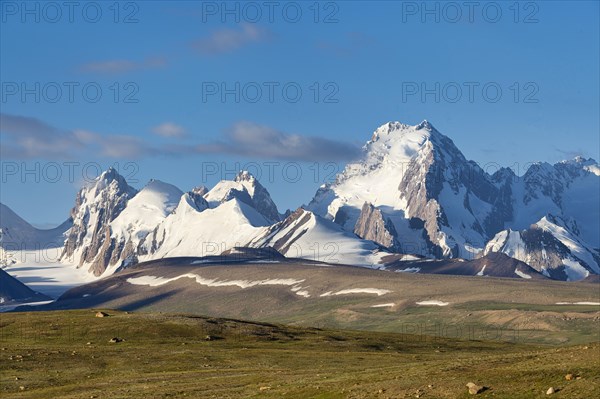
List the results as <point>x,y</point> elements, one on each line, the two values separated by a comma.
<point>373,225</point>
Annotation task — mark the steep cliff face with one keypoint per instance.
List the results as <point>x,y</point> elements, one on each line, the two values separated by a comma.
<point>435,198</point>
<point>372,225</point>
<point>442,205</point>
<point>96,206</point>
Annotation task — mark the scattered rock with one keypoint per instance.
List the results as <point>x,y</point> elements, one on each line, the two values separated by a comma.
<point>569,377</point>
<point>101,314</point>
<point>381,391</point>
<point>475,389</point>
<point>22,388</point>
<point>550,391</point>
<point>115,340</point>
<point>265,388</point>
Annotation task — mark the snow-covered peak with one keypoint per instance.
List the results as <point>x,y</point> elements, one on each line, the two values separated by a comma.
<point>109,182</point>
<point>579,162</point>
<point>96,206</point>
<point>145,210</point>
<point>397,131</point>
<point>160,194</point>
<point>552,246</point>
<point>247,189</point>
<point>425,125</point>
<point>244,176</point>
<point>188,232</point>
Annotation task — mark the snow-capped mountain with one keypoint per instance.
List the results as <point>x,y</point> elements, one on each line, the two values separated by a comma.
<point>200,231</point>
<point>439,203</point>
<point>569,189</point>
<point>21,242</point>
<point>413,192</point>
<point>551,246</point>
<point>89,241</point>
<point>117,226</point>
<point>17,234</point>
<point>246,189</point>
<point>305,235</point>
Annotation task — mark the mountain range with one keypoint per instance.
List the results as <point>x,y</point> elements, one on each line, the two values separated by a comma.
<point>413,197</point>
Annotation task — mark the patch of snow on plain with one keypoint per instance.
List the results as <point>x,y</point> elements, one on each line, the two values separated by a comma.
<point>579,303</point>
<point>376,291</point>
<point>432,303</point>
<point>300,291</point>
<point>158,281</point>
<point>384,305</point>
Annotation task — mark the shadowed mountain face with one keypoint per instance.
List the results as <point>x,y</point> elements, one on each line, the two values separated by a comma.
<point>13,291</point>
<point>492,265</point>
<point>413,192</point>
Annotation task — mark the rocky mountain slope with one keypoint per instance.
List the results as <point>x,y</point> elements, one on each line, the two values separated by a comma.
<point>14,291</point>
<point>438,204</point>
<point>413,192</point>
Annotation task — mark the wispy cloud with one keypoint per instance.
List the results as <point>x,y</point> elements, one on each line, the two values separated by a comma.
<point>24,137</point>
<point>228,40</point>
<point>253,140</point>
<point>169,129</point>
<point>122,66</point>
<point>30,138</point>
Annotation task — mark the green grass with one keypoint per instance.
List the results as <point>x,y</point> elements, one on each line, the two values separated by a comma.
<point>167,356</point>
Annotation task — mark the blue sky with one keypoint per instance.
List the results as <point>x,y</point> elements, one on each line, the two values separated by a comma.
<point>368,62</point>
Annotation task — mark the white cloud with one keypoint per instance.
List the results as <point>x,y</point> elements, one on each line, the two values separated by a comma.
<point>26,138</point>
<point>169,129</point>
<point>228,40</point>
